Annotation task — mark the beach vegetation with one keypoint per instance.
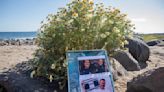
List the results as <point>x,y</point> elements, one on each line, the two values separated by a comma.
<point>81,25</point>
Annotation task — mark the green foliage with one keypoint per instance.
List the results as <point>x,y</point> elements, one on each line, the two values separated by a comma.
<point>79,26</point>
<point>149,37</point>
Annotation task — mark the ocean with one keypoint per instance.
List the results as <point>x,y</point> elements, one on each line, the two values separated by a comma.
<point>18,35</point>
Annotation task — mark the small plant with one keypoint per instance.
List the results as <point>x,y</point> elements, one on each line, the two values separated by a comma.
<point>82,25</point>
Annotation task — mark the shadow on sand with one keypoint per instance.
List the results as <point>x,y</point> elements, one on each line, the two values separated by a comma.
<point>18,79</point>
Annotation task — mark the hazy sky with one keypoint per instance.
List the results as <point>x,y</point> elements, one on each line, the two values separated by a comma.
<point>26,15</point>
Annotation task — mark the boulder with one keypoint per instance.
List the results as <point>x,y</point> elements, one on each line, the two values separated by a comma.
<point>2,43</point>
<point>117,69</point>
<point>18,80</point>
<point>138,49</point>
<point>153,43</point>
<point>127,61</point>
<point>150,81</point>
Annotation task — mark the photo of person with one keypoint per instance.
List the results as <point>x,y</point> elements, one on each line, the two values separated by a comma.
<point>97,83</point>
<point>88,71</point>
<point>94,74</point>
<point>85,67</point>
<point>92,66</point>
<point>100,66</point>
<point>102,84</point>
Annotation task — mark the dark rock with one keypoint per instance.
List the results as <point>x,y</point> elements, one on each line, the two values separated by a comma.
<point>127,61</point>
<point>138,49</point>
<point>8,42</point>
<point>12,42</point>
<point>18,80</point>
<point>153,43</point>
<point>17,42</point>
<point>2,43</point>
<point>150,81</point>
<point>117,69</point>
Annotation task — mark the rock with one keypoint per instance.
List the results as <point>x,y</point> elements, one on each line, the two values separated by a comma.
<point>17,42</point>
<point>117,69</point>
<point>18,80</point>
<point>150,81</point>
<point>127,61</point>
<point>138,49</point>
<point>2,43</point>
<point>153,43</point>
<point>12,42</point>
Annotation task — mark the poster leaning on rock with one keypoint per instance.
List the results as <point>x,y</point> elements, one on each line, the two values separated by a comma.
<point>89,71</point>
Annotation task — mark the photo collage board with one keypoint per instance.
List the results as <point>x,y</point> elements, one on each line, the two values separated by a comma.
<point>89,71</point>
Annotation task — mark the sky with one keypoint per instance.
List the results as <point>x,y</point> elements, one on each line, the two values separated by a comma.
<point>26,15</point>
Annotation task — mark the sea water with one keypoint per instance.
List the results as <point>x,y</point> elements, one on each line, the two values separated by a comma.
<point>18,35</point>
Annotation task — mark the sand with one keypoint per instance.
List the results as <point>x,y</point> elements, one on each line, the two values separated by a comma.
<point>10,56</point>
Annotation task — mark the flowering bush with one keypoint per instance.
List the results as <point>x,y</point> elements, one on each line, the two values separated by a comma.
<point>82,25</point>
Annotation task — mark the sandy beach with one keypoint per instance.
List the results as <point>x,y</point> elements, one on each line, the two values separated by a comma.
<point>10,56</point>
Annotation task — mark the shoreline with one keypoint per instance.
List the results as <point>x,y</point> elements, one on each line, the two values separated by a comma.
<point>18,41</point>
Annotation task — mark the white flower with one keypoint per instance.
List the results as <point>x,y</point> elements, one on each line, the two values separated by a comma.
<point>32,74</point>
<point>102,35</point>
<point>104,19</point>
<point>111,22</point>
<point>115,29</point>
<point>122,44</point>
<point>83,30</point>
<point>70,21</point>
<point>107,33</point>
<point>53,66</point>
<point>126,42</point>
<point>119,35</point>
<point>54,35</point>
<point>63,34</point>
<point>50,78</point>
<point>64,64</point>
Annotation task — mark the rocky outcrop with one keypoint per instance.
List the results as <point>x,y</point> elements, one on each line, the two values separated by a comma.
<point>17,42</point>
<point>138,49</point>
<point>127,61</point>
<point>150,81</point>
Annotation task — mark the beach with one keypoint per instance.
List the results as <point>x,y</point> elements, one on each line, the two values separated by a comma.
<point>11,56</point>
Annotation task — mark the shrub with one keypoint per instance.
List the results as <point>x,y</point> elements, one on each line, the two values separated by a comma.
<point>80,26</point>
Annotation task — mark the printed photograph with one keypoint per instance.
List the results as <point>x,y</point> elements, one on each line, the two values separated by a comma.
<point>92,65</point>
<point>96,83</point>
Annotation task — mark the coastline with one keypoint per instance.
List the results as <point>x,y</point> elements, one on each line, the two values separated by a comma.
<point>18,41</point>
